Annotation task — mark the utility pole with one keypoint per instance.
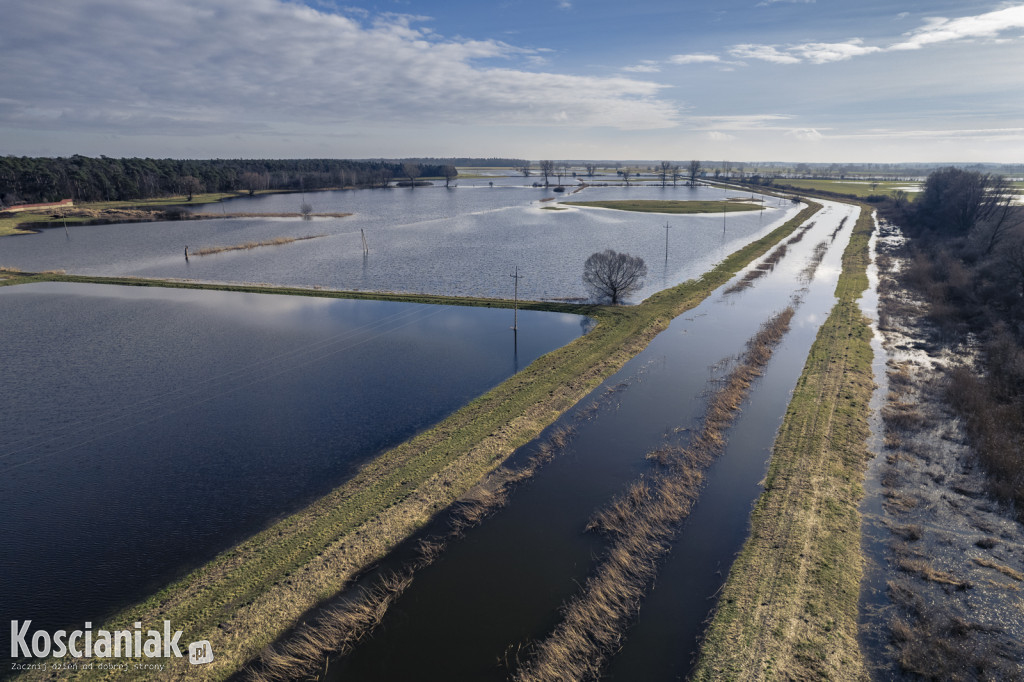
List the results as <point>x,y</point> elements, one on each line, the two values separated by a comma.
<point>516,277</point>
<point>666,243</point>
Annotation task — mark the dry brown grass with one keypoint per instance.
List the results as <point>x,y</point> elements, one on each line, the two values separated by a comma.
<point>765,266</point>
<point>206,251</point>
<point>1002,568</point>
<point>818,255</point>
<point>640,525</point>
<point>335,630</point>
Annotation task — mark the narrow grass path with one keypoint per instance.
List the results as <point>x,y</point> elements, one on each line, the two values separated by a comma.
<point>789,607</point>
<point>251,594</point>
<point>662,206</point>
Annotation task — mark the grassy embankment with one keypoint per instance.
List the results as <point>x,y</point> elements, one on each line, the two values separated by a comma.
<point>251,594</point>
<point>789,607</point>
<point>680,207</point>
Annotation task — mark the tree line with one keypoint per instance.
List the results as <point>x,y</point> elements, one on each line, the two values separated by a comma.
<point>82,178</point>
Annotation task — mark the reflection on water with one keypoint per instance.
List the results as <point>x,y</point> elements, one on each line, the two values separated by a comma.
<point>459,241</point>
<point>469,615</point>
<point>146,429</point>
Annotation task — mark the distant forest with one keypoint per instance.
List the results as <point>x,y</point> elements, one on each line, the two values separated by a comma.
<point>82,178</point>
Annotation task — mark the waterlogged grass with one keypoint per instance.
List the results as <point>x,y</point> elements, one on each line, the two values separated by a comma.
<point>206,251</point>
<point>678,207</point>
<point>21,223</point>
<point>789,607</point>
<point>253,593</point>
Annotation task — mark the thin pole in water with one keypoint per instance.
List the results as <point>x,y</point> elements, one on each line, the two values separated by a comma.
<point>666,243</point>
<point>186,253</point>
<point>366,249</point>
<point>515,320</point>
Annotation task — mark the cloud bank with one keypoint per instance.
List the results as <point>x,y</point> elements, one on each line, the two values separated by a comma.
<point>200,67</point>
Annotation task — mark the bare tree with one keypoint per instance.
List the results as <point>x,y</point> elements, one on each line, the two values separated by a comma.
<point>547,168</point>
<point>610,275</point>
<point>677,172</point>
<point>306,210</point>
<point>190,185</point>
<point>626,173</point>
<point>560,170</point>
<point>411,171</point>
<point>694,170</point>
<point>450,173</point>
<point>664,172</point>
<point>252,181</point>
<point>525,170</point>
<point>591,167</point>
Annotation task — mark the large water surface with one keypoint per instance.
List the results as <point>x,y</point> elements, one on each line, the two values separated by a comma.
<point>145,429</point>
<point>460,241</point>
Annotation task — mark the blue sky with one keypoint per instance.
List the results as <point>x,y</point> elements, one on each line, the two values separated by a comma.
<point>753,80</point>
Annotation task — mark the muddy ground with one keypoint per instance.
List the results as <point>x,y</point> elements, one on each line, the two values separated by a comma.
<point>945,593</point>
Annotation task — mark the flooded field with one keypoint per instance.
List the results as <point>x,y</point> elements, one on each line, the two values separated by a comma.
<point>474,613</point>
<point>461,241</point>
<point>147,429</point>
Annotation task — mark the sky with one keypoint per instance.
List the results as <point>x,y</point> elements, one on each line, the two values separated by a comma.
<point>881,81</point>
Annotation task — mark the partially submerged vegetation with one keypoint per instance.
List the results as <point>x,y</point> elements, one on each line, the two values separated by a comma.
<point>146,212</point>
<point>681,207</point>
<point>249,596</point>
<point>209,250</point>
<point>789,608</point>
<point>640,525</point>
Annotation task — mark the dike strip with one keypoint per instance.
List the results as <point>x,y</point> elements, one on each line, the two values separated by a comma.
<point>789,607</point>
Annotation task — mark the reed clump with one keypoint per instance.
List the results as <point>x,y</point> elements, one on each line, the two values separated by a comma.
<point>252,245</point>
<point>818,255</point>
<point>335,630</point>
<point>762,268</point>
<point>640,525</point>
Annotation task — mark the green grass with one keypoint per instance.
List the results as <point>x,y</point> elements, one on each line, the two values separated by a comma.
<point>859,189</point>
<point>10,225</point>
<point>790,605</point>
<point>658,206</point>
<point>250,595</point>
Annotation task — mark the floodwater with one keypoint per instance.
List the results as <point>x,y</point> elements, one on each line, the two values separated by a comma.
<point>460,241</point>
<point>147,429</point>
<point>473,612</point>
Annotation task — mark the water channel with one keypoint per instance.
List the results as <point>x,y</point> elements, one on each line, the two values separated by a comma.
<point>476,609</point>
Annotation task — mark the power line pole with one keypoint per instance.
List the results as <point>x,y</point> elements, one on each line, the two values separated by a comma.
<point>666,243</point>
<point>516,277</point>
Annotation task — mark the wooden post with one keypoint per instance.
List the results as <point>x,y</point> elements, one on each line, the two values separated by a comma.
<point>366,249</point>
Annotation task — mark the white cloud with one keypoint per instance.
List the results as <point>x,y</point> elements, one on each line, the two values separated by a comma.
<point>934,31</point>
<point>740,122</point>
<point>646,66</point>
<point>940,30</point>
<point>766,3</point>
<point>694,59</point>
<point>766,53</point>
<point>805,134</point>
<point>717,136</point>
<point>135,65</point>
<point>821,53</point>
